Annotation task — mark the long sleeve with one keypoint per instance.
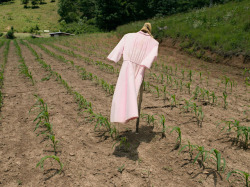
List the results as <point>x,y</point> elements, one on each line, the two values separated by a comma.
<point>151,57</point>
<point>117,52</point>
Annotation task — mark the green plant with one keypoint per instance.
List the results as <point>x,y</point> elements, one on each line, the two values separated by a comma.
<point>183,74</point>
<point>225,99</point>
<point>157,91</point>
<point>43,115</point>
<point>196,92</point>
<point>190,74</point>
<point>162,122</point>
<point>181,85</point>
<point>226,81</point>
<point>173,101</point>
<point>121,169</point>
<point>244,174</point>
<point>201,77</point>
<point>149,118</point>
<point>201,152</point>
<point>10,33</point>
<point>199,115</point>
<point>178,140</point>
<point>41,162</point>
<point>217,158</point>
<point>55,142</point>
<point>123,143</point>
<point>188,85</point>
<point>187,105</point>
<point>214,97</point>
<point>190,149</point>
<point>165,93</point>
<point>23,68</point>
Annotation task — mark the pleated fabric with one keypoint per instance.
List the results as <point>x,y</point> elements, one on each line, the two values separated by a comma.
<point>139,51</point>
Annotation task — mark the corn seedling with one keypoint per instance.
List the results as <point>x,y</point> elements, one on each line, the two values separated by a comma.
<point>162,78</point>
<point>190,75</point>
<point>176,69</point>
<point>43,116</point>
<point>201,77</point>
<point>190,147</point>
<point>217,158</point>
<point>23,68</point>
<point>162,121</point>
<point>157,91</point>
<point>149,118</point>
<point>199,115</point>
<point>208,95</point>
<point>225,99</point>
<point>188,85</point>
<point>201,152</point>
<point>178,140</point>
<point>164,93</point>
<point>187,105</point>
<point>173,101</point>
<point>123,143</point>
<point>41,162</point>
<point>226,81</point>
<point>176,83</point>
<point>244,174</point>
<point>183,74</point>
<point>214,97</point>
<point>196,92</point>
<point>181,85</point>
<point>120,169</point>
<point>54,142</point>
<point>202,93</point>
<point>171,70</point>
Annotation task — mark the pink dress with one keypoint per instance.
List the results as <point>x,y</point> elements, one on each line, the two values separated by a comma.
<point>139,51</point>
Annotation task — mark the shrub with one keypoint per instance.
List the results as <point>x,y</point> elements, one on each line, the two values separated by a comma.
<point>10,33</point>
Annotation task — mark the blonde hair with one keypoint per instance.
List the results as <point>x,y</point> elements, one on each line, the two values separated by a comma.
<point>147,28</point>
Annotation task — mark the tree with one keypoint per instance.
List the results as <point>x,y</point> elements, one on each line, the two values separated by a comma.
<point>34,3</point>
<point>68,10</point>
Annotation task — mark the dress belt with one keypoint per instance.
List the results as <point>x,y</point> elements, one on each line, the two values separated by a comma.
<point>131,61</point>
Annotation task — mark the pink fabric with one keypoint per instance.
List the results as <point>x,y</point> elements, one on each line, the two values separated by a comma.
<point>139,51</point>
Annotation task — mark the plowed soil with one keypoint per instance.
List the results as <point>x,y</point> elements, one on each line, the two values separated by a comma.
<point>91,158</point>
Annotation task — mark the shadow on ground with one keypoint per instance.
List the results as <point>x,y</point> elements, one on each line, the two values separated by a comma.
<point>133,140</point>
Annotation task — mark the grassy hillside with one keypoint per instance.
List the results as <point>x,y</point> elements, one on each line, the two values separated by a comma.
<point>14,14</point>
<point>224,29</point>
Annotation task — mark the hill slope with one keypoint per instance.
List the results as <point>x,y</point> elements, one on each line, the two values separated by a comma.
<point>223,29</point>
<point>13,14</point>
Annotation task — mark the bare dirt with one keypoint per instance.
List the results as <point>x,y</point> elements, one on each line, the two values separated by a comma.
<point>89,158</point>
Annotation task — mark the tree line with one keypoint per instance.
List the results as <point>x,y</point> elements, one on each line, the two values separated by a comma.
<point>108,14</point>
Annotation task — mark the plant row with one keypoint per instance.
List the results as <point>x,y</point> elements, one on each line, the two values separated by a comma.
<point>45,126</point>
<point>199,153</point>
<point>2,68</point>
<point>109,88</point>
<point>101,65</point>
<point>23,68</point>
<point>83,104</point>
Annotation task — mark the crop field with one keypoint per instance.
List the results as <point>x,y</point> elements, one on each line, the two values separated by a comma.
<point>55,99</point>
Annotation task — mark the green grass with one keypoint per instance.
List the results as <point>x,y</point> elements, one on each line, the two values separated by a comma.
<point>224,29</point>
<point>13,14</point>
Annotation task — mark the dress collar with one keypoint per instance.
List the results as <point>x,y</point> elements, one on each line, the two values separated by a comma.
<point>141,32</point>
